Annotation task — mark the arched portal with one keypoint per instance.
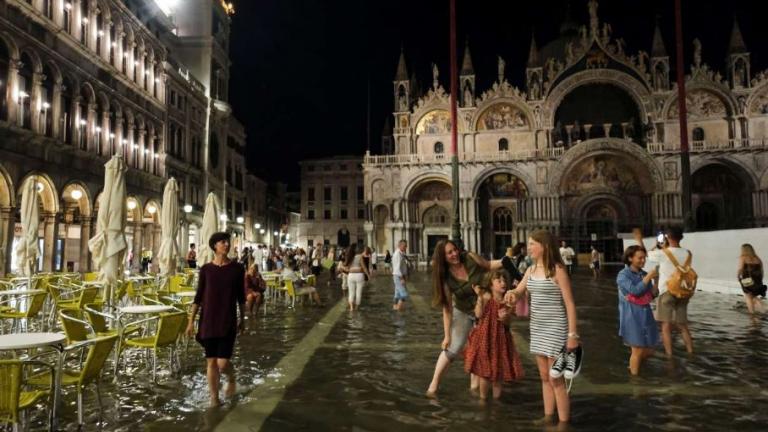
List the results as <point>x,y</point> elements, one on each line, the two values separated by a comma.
<point>721,197</point>
<point>76,227</point>
<point>431,195</point>
<point>380,219</point>
<point>499,197</point>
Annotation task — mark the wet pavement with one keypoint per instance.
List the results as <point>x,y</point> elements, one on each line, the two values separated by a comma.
<point>321,369</point>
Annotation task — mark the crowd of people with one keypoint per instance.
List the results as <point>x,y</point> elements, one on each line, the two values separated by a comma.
<point>479,298</point>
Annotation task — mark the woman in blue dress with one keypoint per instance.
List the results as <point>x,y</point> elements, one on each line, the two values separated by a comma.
<point>636,323</point>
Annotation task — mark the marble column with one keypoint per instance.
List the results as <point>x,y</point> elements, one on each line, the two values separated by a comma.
<point>6,238</point>
<point>90,126</point>
<point>11,97</point>
<point>50,228</point>
<point>36,103</point>
<point>85,235</point>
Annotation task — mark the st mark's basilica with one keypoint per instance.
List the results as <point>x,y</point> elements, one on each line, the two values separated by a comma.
<point>549,156</point>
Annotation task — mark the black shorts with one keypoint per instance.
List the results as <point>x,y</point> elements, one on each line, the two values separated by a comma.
<point>596,265</point>
<point>221,347</point>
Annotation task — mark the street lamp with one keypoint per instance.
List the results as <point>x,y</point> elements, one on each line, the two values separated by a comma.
<point>262,231</point>
<point>187,208</point>
<point>257,225</point>
<point>223,217</point>
<point>82,133</point>
<point>240,219</point>
<point>44,119</point>
<point>76,194</point>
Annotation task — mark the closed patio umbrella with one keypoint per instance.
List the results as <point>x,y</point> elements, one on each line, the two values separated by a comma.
<point>108,246</point>
<point>209,227</point>
<point>27,249</point>
<point>169,226</point>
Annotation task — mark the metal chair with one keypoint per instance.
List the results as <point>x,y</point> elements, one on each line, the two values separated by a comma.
<point>34,307</point>
<point>13,398</point>
<point>169,327</point>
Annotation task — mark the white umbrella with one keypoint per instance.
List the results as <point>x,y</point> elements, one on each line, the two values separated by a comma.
<point>27,249</point>
<point>108,246</point>
<point>210,226</point>
<point>169,225</point>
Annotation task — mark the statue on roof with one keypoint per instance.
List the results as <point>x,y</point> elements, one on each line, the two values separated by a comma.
<point>594,23</point>
<point>697,52</point>
<point>435,74</point>
<point>502,66</point>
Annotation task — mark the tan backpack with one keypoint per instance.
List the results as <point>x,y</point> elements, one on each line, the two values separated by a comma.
<point>682,283</point>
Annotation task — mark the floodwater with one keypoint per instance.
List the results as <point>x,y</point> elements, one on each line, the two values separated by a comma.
<point>370,371</point>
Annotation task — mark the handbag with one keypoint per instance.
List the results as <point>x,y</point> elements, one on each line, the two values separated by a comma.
<point>747,282</point>
<point>641,300</point>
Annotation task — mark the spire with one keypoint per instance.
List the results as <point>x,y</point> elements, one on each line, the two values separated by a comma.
<point>658,50</point>
<point>402,72</point>
<point>736,45</point>
<point>533,54</point>
<point>569,25</point>
<point>466,66</point>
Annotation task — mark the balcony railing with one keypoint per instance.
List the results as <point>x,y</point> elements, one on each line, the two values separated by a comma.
<point>442,158</point>
<point>742,144</point>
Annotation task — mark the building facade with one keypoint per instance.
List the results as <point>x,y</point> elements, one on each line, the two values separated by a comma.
<point>588,149</point>
<point>333,209</point>
<point>83,80</point>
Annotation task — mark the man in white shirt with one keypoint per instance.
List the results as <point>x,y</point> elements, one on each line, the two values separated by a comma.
<point>399,275</point>
<point>258,257</point>
<point>671,310</point>
<point>567,254</point>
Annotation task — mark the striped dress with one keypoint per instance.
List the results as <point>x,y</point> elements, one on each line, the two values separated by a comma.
<point>549,324</point>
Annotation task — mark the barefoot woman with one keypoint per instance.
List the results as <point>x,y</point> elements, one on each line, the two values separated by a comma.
<point>453,275</point>
<point>219,293</point>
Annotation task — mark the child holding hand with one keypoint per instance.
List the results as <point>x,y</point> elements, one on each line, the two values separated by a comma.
<point>490,354</point>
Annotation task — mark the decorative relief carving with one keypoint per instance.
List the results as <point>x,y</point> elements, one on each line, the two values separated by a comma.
<point>435,122</point>
<point>601,173</point>
<point>701,104</point>
<point>502,116</point>
<point>670,170</point>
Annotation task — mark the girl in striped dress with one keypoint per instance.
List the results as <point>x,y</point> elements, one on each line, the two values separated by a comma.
<point>553,318</point>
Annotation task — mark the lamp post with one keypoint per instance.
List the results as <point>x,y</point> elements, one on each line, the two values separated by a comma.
<point>44,118</point>
<point>82,124</point>
<point>456,222</point>
<point>685,157</point>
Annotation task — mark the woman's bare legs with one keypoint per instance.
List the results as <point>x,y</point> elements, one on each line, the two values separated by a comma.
<point>212,373</point>
<point>749,300</point>
<point>553,391</point>
<point>497,389</point>
<point>440,367</point>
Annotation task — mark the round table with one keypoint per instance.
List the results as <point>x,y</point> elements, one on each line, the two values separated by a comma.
<point>20,341</point>
<point>186,293</point>
<point>21,292</point>
<point>17,341</point>
<point>145,309</point>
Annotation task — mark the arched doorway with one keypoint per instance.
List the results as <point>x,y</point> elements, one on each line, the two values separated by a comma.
<point>499,197</point>
<point>76,227</point>
<point>721,196</point>
<point>429,194</point>
<point>437,226</point>
<point>49,246</point>
<point>342,237</point>
<point>600,225</point>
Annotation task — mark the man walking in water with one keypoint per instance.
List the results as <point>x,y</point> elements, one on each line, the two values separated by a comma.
<point>399,275</point>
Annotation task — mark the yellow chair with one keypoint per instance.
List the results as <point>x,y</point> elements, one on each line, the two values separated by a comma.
<point>175,282</point>
<point>292,293</point>
<point>34,307</point>
<point>90,277</point>
<point>89,372</point>
<point>13,398</point>
<point>75,328</point>
<point>169,327</point>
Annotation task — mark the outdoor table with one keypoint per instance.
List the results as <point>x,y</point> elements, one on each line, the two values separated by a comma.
<point>186,293</point>
<point>20,341</point>
<point>21,292</point>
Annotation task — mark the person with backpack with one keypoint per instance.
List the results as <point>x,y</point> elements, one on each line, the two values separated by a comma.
<point>677,283</point>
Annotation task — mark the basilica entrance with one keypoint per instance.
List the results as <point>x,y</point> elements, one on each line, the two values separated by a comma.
<point>499,197</point>
<point>721,197</point>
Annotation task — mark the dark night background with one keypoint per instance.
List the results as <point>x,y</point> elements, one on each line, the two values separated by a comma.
<point>300,68</point>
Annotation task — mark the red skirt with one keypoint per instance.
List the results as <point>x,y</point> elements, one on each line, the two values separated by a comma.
<point>490,351</point>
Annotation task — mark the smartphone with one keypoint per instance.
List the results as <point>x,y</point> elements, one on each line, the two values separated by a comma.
<point>660,237</point>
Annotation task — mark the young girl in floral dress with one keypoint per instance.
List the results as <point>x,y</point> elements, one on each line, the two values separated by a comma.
<point>490,354</point>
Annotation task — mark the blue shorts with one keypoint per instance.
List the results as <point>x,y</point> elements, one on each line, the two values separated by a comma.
<point>401,294</point>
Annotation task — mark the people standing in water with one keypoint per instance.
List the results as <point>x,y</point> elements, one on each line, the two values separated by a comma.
<point>637,327</point>
<point>750,275</point>
<point>490,354</point>
<point>454,273</point>
<point>400,275</point>
<point>255,286</point>
<point>594,258</point>
<point>553,322</point>
<point>219,294</point>
<point>356,271</point>
<point>670,310</point>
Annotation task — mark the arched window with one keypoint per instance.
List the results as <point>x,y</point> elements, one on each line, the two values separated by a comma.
<point>439,149</point>
<point>502,219</point>
<point>698,134</point>
<point>503,145</point>
<point>25,91</point>
<point>436,216</point>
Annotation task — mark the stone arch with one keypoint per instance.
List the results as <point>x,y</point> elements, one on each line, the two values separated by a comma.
<point>10,45</point>
<point>670,107</point>
<point>598,146</point>
<point>436,215</point>
<point>86,89</point>
<point>83,204</point>
<point>587,202</point>
<point>757,101</point>
<point>48,195</point>
<point>488,172</point>
<point>485,107</point>
<point>132,214</point>
<point>7,192</point>
<point>435,121</point>
<point>149,215</point>
<point>721,195</point>
<point>423,178</point>
<point>636,90</point>
<point>749,176</point>
<point>37,63</point>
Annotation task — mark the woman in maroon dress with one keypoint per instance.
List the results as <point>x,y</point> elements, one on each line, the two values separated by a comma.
<point>219,294</point>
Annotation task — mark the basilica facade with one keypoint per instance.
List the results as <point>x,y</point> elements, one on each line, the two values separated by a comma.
<point>588,149</point>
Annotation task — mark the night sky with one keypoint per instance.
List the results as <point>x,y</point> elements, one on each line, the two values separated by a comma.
<point>301,68</point>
